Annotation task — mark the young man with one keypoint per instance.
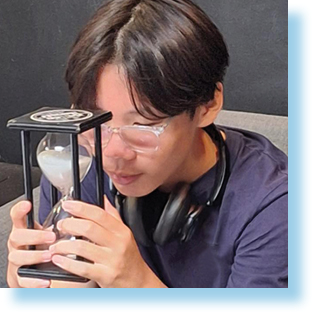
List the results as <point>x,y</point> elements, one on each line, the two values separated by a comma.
<point>158,66</point>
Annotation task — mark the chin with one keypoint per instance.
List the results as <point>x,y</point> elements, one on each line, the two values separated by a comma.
<point>134,190</point>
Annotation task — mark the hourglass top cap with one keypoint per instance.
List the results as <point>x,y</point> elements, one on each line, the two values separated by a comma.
<point>59,120</point>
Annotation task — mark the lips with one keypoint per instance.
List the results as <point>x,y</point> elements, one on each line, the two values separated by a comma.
<point>123,179</point>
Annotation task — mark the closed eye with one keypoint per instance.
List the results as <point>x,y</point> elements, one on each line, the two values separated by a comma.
<point>153,124</point>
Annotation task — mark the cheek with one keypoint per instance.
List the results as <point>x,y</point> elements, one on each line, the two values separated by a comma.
<point>177,146</point>
<point>167,159</point>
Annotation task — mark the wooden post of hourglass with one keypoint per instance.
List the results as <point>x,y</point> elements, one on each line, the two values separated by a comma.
<point>99,166</point>
<point>71,122</point>
<point>75,167</point>
<point>27,173</point>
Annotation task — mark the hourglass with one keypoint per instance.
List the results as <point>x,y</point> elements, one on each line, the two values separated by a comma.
<point>54,158</point>
<point>64,156</point>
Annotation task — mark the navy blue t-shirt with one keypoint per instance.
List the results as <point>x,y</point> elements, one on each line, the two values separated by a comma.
<point>243,241</point>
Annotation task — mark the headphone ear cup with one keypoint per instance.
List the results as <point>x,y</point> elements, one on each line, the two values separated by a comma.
<point>173,215</point>
<point>132,215</point>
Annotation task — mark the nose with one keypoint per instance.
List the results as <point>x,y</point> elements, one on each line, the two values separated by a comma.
<point>117,149</point>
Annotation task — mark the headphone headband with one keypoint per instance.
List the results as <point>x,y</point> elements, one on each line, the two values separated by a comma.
<point>216,136</point>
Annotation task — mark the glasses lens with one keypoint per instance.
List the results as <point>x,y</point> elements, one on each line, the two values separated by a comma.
<point>106,134</point>
<point>140,139</point>
<point>87,136</point>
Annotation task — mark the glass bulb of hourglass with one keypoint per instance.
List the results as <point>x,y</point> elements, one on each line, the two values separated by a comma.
<point>55,160</point>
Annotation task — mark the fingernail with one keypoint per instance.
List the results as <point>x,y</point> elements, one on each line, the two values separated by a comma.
<point>68,205</point>
<point>107,204</point>
<point>59,225</point>
<point>46,256</point>
<point>51,237</point>
<point>57,260</point>
<point>44,283</point>
<point>106,200</point>
<point>52,249</point>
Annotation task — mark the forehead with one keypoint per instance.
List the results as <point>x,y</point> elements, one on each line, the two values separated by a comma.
<point>113,94</point>
<point>112,91</point>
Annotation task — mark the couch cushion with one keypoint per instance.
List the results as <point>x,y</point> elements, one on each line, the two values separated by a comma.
<point>12,183</point>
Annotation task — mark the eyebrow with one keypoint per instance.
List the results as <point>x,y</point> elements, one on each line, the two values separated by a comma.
<point>133,112</point>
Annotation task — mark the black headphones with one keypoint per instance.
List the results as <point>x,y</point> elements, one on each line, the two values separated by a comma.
<point>175,218</point>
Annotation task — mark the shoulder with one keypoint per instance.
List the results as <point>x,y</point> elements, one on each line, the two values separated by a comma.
<point>256,190</point>
<point>258,174</point>
<point>255,163</point>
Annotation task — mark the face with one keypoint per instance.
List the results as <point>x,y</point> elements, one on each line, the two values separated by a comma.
<point>138,174</point>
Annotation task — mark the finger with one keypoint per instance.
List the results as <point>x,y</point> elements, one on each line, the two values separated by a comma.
<point>84,269</point>
<point>33,283</point>
<point>111,210</point>
<point>18,213</point>
<point>28,257</point>
<point>93,213</point>
<point>89,229</point>
<point>24,237</point>
<point>83,249</point>
<point>72,284</point>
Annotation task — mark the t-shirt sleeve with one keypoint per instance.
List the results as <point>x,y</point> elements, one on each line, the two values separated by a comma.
<point>261,256</point>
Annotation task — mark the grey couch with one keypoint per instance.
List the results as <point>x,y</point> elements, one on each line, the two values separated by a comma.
<point>274,128</point>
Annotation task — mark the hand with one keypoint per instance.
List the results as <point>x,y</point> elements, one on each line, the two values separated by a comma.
<point>112,250</point>
<point>20,238</point>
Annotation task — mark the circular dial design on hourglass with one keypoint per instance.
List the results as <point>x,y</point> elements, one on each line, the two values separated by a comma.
<point>54,157</point>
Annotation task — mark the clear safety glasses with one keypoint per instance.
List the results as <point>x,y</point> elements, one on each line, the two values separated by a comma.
<point>137,137</point>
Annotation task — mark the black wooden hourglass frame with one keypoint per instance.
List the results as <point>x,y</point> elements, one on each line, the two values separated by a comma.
<point>59,120</point>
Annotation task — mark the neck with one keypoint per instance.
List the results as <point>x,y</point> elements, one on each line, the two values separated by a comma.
<point>204,157</point>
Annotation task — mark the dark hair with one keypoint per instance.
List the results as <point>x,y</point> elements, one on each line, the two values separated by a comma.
<point>172,54</point>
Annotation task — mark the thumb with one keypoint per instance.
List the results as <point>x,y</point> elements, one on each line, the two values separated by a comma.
<point>110,209</point>
<point>19,212</point>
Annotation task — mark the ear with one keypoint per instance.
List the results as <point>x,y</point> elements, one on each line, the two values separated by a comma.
<point>209,112</point>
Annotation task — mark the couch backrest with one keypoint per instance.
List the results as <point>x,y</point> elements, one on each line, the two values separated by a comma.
<point>275,128</point>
